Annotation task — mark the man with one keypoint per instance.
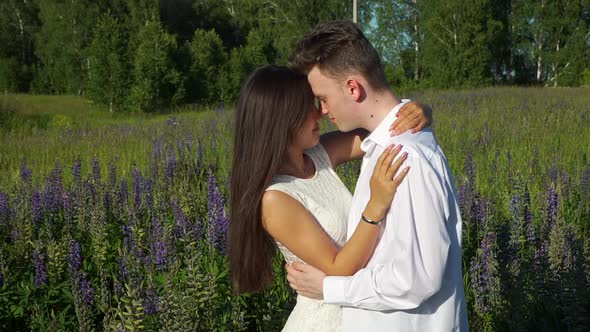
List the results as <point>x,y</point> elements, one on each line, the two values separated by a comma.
<point>413,281</point>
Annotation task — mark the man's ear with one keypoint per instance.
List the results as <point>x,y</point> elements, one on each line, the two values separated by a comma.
<point>355,89</point>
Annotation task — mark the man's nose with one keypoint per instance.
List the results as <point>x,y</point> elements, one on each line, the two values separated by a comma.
<point>324,110</point>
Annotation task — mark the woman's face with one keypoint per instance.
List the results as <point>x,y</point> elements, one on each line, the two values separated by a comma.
<point>308,135</point>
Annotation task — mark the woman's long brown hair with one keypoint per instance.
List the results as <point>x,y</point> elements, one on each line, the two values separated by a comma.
<point>273,104</point>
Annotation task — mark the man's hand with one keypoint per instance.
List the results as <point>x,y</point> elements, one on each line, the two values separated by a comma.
<point>306,280</point>
<point>412,115</point>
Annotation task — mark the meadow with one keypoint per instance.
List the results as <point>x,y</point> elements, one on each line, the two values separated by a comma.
<point>118,222</point>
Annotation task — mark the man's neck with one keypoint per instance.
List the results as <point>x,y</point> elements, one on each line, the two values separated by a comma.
<point>377,107</point>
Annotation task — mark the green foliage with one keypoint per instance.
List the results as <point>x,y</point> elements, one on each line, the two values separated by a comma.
<point>19,23</point>
<point>455,43</point>
<point>207,59</point>
<point>241,62</point>
<point>108,69</point>
<point>156,83</point>
<point>8,75</point>
<point>586,77</point>
<point>61,45</point>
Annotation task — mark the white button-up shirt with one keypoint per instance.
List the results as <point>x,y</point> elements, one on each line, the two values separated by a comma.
<point>413,281</point>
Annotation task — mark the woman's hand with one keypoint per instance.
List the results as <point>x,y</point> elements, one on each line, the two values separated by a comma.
<point>412,115</point>
<point>383,184</point>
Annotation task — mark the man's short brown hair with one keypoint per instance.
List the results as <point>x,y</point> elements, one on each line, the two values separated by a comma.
<point>339,48</point>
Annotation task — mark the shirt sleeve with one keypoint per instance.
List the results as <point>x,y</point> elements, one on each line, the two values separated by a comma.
<point>416,245</point>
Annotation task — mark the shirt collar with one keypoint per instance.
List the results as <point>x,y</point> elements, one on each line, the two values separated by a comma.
<point>381,134</point>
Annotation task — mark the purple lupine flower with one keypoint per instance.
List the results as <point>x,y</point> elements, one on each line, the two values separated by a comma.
<point>75,257</point>
<point>53,191</point>
<point>91,188</point>
<point>516,225</point>
<point>197,229</point>
<point>14,235</point>
<point>572,259</point>
<point>68,210</point>
<point>528,217</point>
<point>565,184</point>
<point>122,262</point>
<point>171,164</point>
<point>25,174</point>
<point>123,191</point>
<point>156,149</point>
<point>158,250</point>
<point>137,187</point>
<point>5,212</point>
<point>149,193</point>
<point>218,222</point>
<point>515,207</point>
<point>1,279</point>
<point>127,237</point>
<point>151,301</point>
<point>95,169</point>
<point>180,221</point>
<point>541,267</point>
<point>86,289</point>
<point>36,208</point>
<point>481,212</point>
<point>40,268</point>
<point>484,273</point>
<point>552,205</point>
<point>462,197</point>
<point>77,172</point>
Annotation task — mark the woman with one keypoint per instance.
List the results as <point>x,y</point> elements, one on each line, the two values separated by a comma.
<point>285,192</point>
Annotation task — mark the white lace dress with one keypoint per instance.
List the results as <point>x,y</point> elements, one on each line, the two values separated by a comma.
<point>328,200</point>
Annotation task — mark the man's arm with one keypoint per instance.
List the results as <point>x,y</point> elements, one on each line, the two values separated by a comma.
<point>418,249</point>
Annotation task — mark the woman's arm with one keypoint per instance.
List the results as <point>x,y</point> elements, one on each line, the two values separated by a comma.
<point>288,222</point>
<point>344,147</point>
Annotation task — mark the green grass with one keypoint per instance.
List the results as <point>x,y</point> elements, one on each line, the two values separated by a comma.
<point>43,130</point>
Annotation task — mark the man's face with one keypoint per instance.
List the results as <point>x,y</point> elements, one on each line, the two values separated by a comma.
<point>335,102</point>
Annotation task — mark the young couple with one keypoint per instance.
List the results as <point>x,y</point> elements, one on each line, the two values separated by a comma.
<point>387,258</point>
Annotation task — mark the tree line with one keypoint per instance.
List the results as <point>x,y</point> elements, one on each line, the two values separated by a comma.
<point>148,55</point>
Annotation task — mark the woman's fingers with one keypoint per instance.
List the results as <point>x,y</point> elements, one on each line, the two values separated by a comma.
<point>389,160</point>
<point>380,160</point>
<point>396,165</point>
<point>405,122</point>
<point>398,179</point>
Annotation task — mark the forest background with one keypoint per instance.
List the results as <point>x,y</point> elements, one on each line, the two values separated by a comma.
<point>149,55</point>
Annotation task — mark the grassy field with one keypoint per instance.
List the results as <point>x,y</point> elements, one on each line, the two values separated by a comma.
<point>43,130</point>
<point>112,221</point>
